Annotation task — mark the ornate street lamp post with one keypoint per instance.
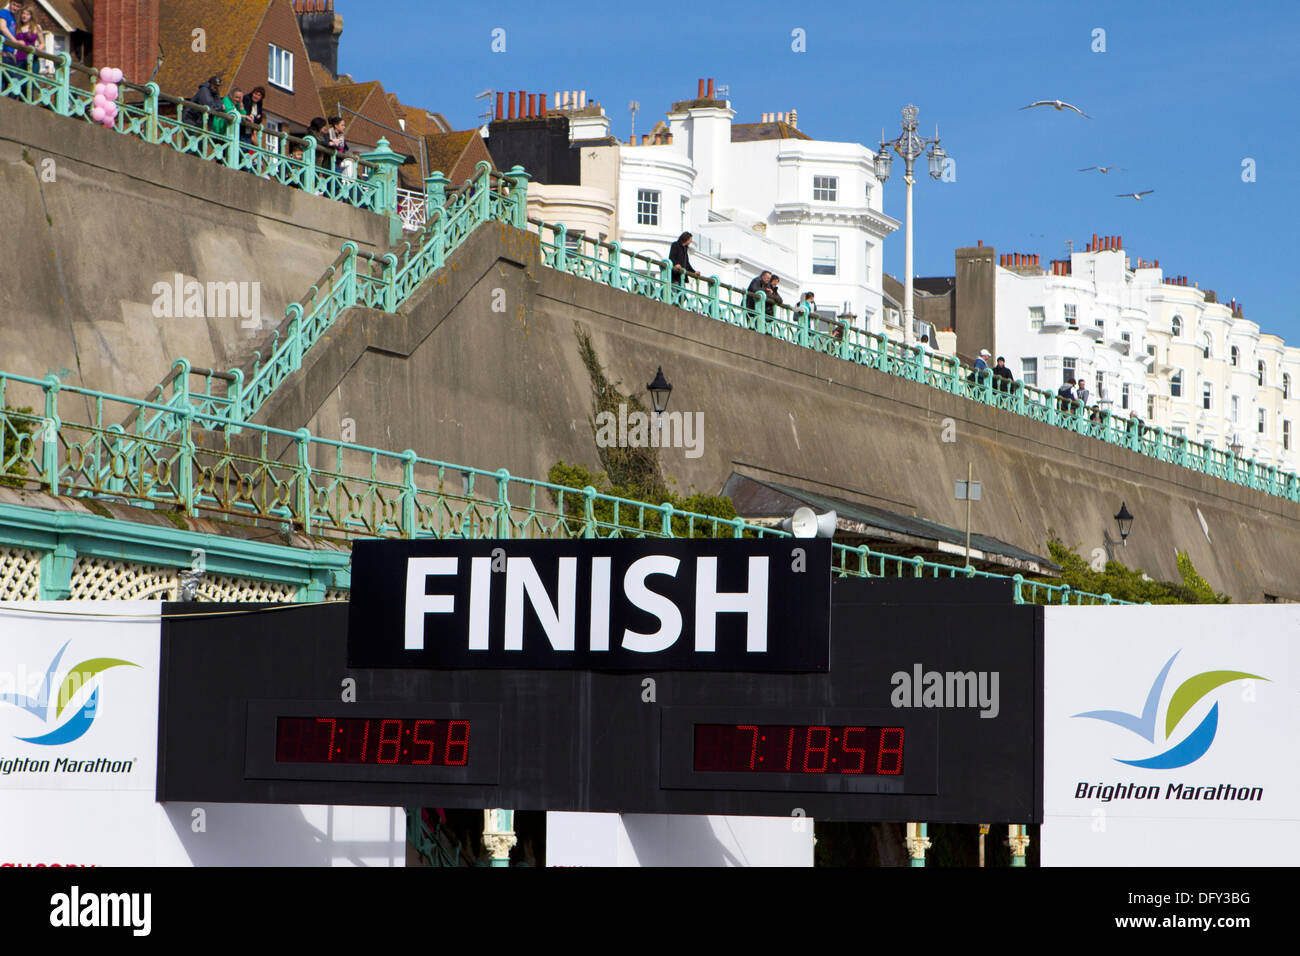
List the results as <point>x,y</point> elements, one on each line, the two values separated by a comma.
<point>910,147</point>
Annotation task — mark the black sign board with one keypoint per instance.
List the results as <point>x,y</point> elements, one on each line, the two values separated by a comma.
<point>929,711</point>
<point>735,604</point>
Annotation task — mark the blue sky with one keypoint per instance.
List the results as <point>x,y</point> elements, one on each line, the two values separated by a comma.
<point>1182,95</point>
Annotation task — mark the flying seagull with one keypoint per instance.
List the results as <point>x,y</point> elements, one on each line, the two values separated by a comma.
<point>1102,169</point>
<point>1057,105</point>
<point>1137,196</point>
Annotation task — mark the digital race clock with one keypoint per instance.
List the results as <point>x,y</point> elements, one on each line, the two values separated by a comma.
<point>806,749</point>
<point>411,741</point>
<point>401,742</point>
<point>787,748</point>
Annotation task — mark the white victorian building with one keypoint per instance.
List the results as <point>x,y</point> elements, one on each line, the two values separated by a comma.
<point>1150,347</point>
<point>756,196</point>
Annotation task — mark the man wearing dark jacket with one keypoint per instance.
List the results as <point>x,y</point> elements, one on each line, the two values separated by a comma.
<point>681,263</point>
<point>1065,400</point>
<point>757,285</point>
<point>1003,379</point>
<point>209,95</point>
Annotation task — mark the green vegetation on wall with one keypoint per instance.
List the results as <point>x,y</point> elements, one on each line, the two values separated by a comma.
<point>629,472</point>
<point>1130,584</point>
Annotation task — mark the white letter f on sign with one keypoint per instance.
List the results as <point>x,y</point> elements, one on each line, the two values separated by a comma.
<point>418,603</point>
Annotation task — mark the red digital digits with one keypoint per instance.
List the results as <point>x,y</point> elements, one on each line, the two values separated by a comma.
<point>799,748</point>
<point>397,741</point>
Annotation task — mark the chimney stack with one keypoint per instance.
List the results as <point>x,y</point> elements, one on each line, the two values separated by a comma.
<point>317,22</point>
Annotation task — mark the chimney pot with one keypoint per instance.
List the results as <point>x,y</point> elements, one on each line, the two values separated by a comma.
<point>541,104</point>
<point>1093,246</point>
<point>979,242</point>
<point>512,105</point>
<point>699,92</point>
<point>500,105</point>
<point>710,93</point>
<point>1119,242</point>
<point>582,99</point>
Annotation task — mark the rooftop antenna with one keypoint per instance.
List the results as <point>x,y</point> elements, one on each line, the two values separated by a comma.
<point>723,91</point>
<point>486,116</point>
<point>633,106</point>
<point>1069,247</point>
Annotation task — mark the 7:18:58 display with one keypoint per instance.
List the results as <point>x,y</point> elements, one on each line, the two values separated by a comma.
<point>799,748</point>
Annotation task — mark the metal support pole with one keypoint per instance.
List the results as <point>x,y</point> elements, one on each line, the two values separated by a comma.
<point>1018,840</point>
<point>984,831</point>
<point>907,262</point>
<point>918,841</point>
<point>499,835</point>
<point>970,476</point>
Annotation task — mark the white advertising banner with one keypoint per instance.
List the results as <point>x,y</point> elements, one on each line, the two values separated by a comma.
<point>79,695</point>
<point>661,839</point>
<point>79,683</point>
<point>1169,735</point>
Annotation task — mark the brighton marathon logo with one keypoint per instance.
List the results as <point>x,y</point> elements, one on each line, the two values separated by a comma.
<point>1191,691</point>
<point>38,705</point>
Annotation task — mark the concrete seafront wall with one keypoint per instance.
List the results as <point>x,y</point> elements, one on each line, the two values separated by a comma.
<point>452,379</point>
<point>93,219</point>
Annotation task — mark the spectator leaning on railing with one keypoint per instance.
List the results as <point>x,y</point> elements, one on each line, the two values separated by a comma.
<point>9,23</point>
<point>207,95</point>
<point>28,32</point>
<point>681,262</point>
<point>1003,380</point>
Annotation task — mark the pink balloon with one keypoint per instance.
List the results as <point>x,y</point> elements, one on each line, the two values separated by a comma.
<point>117,75</point>
<point>99,88</point>
<point>110,112</point>
<point>101,101</point>
<point>106,74</point>
<point>97,114</point>
<point>110,92</point>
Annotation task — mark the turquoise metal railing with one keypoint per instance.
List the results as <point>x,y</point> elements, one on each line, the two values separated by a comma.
<point>148,114</point>
<point>71,441</point>
<point>355,278</point>
<point>608,264</point>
